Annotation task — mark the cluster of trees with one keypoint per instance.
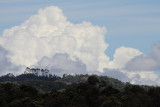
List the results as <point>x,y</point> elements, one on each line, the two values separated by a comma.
<point>92,93</point>
<point>28,77</point>
<point>37,71</point>
<point>43,83</point>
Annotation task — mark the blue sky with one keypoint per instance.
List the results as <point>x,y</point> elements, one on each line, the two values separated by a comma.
<point>130,23</point>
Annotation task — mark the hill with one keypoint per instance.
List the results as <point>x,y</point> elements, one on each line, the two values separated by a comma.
<point>54,82</point>
<point>87,91</point>
<point>43,80</point>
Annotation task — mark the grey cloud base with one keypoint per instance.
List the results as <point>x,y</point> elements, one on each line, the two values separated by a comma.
<point>149,62</point>
<point>61,63</point>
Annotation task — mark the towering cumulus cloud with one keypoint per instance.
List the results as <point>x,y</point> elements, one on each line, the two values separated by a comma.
<point>48,33</point>
<point>48,40</point>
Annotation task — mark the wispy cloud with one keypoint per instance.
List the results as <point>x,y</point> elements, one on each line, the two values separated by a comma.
<point>11,1</point>
<point>117,11</point>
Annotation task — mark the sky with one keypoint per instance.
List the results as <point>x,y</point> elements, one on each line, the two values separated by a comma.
<point>108,37</point>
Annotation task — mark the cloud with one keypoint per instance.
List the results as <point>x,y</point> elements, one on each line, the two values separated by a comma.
<point>6,66</point>
<point>143,81</point>
<point>48,33</point>
<point>61,64</point>
<point>146,62</point>
<point>4,1</point>
<point>115,12</point>
<point>115,73</point>
<point>143,77</point>
<point>122,56</point>
<point>48,40</point>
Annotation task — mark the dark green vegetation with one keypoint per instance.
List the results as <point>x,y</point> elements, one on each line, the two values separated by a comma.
<point>75,91</point>
<point>42,83</point>
<point>54,82</point>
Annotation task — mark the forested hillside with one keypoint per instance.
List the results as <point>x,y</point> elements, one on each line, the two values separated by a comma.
<point>50,82</point>
<point>95,92</point>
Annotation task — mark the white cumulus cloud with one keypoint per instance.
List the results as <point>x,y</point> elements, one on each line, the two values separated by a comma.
<point>48,40</point>
<point>48,33</point>
<point>6,66</point>
<point>122,56</point>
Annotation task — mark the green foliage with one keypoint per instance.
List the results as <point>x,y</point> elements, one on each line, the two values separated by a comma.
<point>93,80</point>
<point>77,91</point>
<point>27,77</point>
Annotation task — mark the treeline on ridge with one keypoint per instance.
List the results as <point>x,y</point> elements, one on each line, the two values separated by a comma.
<point>54,82</point>
<point>92,93</point>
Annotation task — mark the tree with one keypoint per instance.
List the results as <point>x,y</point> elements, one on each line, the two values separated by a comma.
<point>93,80</point>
